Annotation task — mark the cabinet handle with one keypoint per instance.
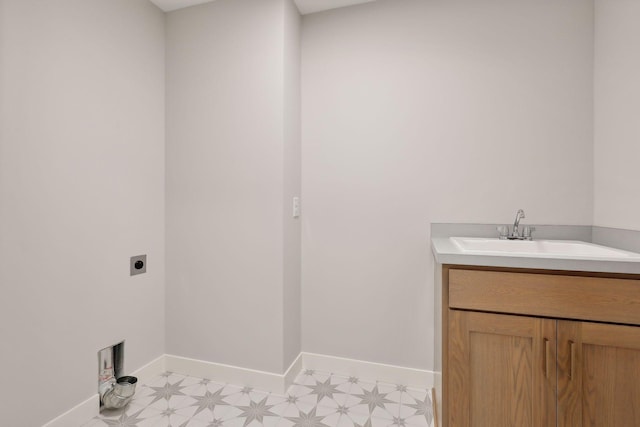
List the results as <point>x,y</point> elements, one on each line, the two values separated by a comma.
<point>572,362</point>
<point>547,357</point>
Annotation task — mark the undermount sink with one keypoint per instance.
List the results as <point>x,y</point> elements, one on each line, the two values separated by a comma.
<point>566,249</point>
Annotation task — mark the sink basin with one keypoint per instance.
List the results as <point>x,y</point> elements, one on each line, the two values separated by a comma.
<point>566,249</point>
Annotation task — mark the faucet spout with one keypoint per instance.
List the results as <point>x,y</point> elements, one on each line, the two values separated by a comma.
<point>516,224</point>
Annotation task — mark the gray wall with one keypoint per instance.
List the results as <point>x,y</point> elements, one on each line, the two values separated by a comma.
<point>232,275</point>
<point>416,112</point>
<point>81,190</point>
<point>617,129</point>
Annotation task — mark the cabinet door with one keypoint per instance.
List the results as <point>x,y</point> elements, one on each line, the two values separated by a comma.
<point>598,375</point>
<point>501,370</point>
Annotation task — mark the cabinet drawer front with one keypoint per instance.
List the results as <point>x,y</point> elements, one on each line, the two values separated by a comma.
<point>548,295</point>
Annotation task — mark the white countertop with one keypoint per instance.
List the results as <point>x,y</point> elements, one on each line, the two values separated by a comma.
<point>446,252</point>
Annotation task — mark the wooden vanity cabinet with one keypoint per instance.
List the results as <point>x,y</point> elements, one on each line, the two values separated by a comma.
<point>537,348</point>
<point>501,370</point>
<point>599,374</point>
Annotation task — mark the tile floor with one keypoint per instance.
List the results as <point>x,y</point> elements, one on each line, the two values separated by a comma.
<point>317,399</point>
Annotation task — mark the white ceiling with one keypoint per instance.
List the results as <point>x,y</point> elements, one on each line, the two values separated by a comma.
<point>169,5</point>
<point>305,6</point>
<point>311,6</point>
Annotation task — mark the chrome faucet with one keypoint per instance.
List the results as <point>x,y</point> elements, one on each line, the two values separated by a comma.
<point>526,234</point>
<point>515,234</point>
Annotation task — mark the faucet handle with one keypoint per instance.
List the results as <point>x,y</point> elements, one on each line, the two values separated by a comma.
<point>503,231</point>
<point>526,232</point>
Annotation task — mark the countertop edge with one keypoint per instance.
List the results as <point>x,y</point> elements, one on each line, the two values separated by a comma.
<point>445,252</point>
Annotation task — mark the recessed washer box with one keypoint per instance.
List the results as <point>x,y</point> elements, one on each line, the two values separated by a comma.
<point>138,265</point>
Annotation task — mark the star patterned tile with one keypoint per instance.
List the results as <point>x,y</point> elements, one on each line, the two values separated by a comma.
<point>316,399</point>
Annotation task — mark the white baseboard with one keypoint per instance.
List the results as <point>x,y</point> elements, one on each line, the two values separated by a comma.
<point>292,372</point>
<point>279,383</point>
<point>369,370</point>
<point>90,408</point>
<point>261,380</point>
<point>77,415</point>
<point>151,369</point>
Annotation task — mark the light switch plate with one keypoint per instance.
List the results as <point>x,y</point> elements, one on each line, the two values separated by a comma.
<point>296,207</point>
